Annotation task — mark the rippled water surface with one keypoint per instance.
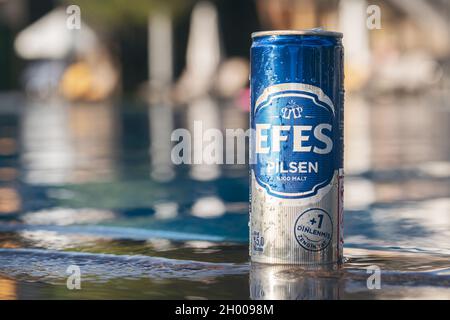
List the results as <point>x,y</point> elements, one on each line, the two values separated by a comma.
<point>90,186</point>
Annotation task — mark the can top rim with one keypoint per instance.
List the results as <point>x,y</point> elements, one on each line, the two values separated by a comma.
<point>313,32</point>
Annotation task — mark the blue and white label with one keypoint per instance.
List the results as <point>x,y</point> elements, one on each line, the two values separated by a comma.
<point>294,142</point>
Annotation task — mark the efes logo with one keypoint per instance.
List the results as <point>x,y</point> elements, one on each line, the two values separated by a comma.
<point>295,133</point>
<point>291,110</point>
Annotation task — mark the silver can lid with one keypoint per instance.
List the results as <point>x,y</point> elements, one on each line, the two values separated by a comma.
<point>308,32</point>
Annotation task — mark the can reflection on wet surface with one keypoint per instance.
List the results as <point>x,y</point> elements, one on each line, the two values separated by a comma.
<point>278,282</point>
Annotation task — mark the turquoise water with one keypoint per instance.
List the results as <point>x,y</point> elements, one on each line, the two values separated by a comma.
<point>84,185</point>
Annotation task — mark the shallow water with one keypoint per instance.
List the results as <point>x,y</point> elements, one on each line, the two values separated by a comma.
<point>88,185</point>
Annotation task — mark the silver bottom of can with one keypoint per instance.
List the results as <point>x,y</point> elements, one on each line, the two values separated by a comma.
<point>285,231</point>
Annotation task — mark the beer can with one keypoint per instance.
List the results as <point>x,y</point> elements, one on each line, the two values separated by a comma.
<point>296,147</point>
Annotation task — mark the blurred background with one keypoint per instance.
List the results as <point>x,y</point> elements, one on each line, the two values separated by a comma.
<point>87,107</point>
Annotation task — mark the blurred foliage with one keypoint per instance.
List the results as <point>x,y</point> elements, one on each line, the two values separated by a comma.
<point>116,13</point>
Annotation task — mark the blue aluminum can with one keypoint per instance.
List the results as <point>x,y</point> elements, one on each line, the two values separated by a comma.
<point>296,154</point>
